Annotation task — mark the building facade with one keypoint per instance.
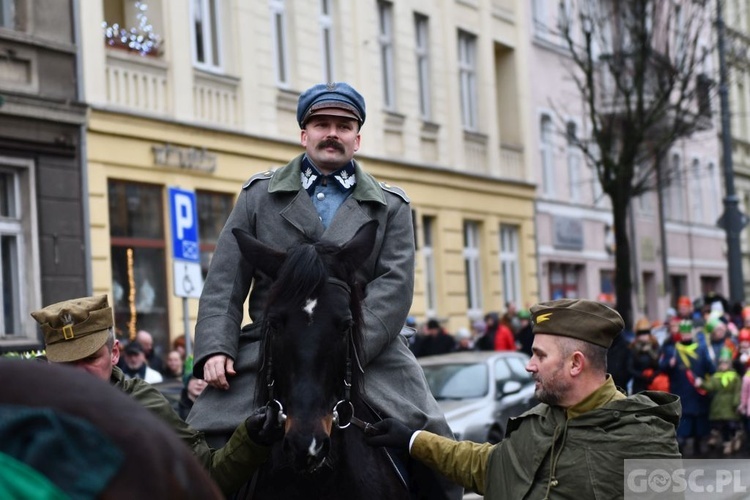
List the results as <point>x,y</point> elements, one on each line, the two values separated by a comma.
<point>43,231</point>
<point>737,39</point>
<point>574,217</point>
<point>206,97</point>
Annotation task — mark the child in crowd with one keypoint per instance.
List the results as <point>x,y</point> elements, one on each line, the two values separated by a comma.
<point>726,387</point>
<point>685,361</point>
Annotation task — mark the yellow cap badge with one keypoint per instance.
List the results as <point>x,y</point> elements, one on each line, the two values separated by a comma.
<point>543,317</point>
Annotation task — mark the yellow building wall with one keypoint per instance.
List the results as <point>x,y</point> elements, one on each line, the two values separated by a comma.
<point>120,147</point>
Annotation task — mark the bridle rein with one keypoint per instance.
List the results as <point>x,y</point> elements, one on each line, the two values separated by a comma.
<point>341,419</point>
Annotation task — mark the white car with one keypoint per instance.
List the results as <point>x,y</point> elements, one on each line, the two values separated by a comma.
<point>479,390</point>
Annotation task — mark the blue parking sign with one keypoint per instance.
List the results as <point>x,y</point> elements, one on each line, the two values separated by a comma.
<point>184,221</point>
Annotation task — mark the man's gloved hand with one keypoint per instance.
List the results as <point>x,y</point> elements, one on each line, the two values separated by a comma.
<point>262,428</point>
<point>390,433</point>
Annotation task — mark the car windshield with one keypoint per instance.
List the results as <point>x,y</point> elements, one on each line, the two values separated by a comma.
<point>457,380</point>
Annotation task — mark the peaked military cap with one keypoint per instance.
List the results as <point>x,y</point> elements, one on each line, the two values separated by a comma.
<point>580,319</point>
<point>75,329</point>
<point>339,99</point>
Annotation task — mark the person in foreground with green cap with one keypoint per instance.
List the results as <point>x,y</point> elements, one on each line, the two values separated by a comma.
<point>574,442</point>
<point>80,333</point>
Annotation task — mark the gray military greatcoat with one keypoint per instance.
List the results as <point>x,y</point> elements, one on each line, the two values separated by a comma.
<point>275,208</point>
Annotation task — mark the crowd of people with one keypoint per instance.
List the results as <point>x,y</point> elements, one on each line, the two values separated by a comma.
<point>700,352</point>
<point>510,331</point>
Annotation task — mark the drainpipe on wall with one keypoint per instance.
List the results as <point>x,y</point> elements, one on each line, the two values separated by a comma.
<point>82,150</point>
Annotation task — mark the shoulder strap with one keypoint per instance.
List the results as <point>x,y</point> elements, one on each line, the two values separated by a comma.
<point>395,190</point>
<point>260,176</point>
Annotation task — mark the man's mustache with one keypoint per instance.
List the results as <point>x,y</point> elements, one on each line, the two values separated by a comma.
<point>331,143</point>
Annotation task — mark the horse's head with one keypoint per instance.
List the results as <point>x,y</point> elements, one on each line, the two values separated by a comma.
<point>311,337</point>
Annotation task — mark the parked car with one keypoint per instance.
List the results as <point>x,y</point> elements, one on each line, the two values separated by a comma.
<point>479,390</point>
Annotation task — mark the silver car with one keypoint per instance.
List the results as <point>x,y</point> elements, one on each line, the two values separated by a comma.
<point>479,390</point>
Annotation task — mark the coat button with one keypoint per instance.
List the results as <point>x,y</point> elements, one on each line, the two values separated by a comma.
<point>321,196</point>
<point>616,414</point>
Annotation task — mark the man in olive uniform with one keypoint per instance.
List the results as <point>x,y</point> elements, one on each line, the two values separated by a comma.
<point>80,333</point>
<point>573,444</point>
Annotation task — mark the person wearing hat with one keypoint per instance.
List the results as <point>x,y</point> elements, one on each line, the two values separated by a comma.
<point>136,365</point>
<point>322,192</point>
<point>80,333</point>
<point>571,445</point>
<point>433,341</point>
<point>686,362</point>
<point>525,335</point>
<point>643,362</point>
<point>725,386</point>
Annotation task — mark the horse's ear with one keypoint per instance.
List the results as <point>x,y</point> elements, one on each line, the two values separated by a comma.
<point>356,250</point>
<point>265,258</point>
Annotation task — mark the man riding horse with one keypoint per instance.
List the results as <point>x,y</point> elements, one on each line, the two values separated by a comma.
<point>321,194</point>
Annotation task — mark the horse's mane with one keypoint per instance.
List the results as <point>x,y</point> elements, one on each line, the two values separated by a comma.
<point>302,275</point>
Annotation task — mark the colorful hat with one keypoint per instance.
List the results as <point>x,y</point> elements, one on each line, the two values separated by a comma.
<point>684,301</point>
<point>686,326</point>
<point>643,325</point>
<point>725,354</point>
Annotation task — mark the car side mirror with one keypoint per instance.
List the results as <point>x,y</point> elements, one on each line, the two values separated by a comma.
<point>509,387</point>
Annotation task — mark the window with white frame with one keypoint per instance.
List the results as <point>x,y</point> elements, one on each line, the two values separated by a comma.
<point>467,74</point>
<point>136,26</point>
<point>472,268</point>
<point>717,204</point>
<point>326,39</point>
<point>510,263</point>
<point>696,184</point>
<point>207,34</point>
<point>386,41</point>
<point>680,35</point>
<point>8,14</point>
<point>428,254</point>
<point>596,185</point>
<point>19,274</point>
<point>422,52</point>
<point>574,163</point>
<point>539,11</point>
<point>280,50</point>
<point>675,201</point>
<point>645,200</point>
<point>546,148</point>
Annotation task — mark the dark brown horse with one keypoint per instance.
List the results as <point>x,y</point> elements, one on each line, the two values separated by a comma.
<point>312,377</point>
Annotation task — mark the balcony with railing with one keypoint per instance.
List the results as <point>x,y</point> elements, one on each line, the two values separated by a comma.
<point>216,99</point>
<point>137,83</point>
<point>511,162</point>
<point>136,74</point>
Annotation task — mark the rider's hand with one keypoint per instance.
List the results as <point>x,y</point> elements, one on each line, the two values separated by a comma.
<point>216,369</point>
<point>262,428</point>
<point>390,433</point>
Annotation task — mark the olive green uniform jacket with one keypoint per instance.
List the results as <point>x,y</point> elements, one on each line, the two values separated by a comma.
<point>557,454</point>
<point>230,466</point>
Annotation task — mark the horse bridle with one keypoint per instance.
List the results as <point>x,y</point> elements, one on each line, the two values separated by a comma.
<point>341,423</point>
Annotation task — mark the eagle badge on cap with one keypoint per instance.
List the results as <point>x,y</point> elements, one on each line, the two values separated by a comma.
<point>543,317</point>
